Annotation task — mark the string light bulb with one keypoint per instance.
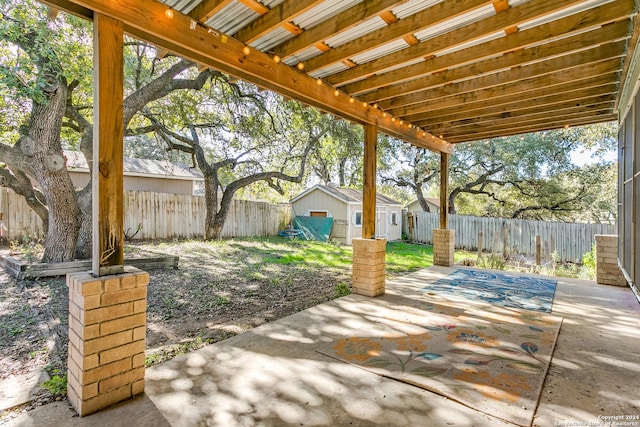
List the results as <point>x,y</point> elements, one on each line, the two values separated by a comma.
<point>276,59</point>
<point>246,50</point>
<point>319,82</point>
<point>336,92</point>
<point>375,106</point>
<point>364,104</point>
<point>393,119</point>
<point>352,100</point>
<point>384,114</point>
<point>300,66</point>
<point>168,13</point>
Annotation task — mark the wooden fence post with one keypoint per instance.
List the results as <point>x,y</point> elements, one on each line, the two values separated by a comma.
<point>480,242</point>
<point>538,250</point>
<point>505,241</point>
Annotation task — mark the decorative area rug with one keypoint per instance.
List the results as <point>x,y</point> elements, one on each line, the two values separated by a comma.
<point>526,292</point>
<point>495,364</point>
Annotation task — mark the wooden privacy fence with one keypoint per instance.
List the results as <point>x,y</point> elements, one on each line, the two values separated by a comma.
<point>570,241</point>
<point>159,215</point>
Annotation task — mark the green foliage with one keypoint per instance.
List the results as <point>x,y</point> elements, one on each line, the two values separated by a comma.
<point>491,262</point>
<point>57,384</point>
<point>342,290</point>
<point>30,248</point>
<point>589,263</point>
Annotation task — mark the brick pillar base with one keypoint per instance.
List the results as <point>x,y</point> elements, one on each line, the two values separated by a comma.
<point>107,330</point>
<point>443,246</point>
<point>368,266</point>
<point>607,270</point>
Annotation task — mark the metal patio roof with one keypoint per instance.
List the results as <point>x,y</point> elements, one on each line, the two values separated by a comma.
<point>459,70</point>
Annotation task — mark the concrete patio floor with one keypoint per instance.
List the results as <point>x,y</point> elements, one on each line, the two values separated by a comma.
<point>273,376</point>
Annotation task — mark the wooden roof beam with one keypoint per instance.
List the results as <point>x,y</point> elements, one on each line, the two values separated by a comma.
<point>408,104</point>
<point>283,13</point>
<point>633,45</point>
<point>596,83</point>
<point>572,24</point>
<point>433,15</point>
<point>146,20</point>
<point>208,8</point>
<point>342,21</point>
<point>532,114</point>
<point>549,125</point>
<point>578,97</point>
<point>512,45</point>
<point>512,92</point>
<point>528,120</point>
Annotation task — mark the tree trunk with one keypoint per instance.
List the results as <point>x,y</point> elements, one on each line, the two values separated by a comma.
<point>83,247</point>
<point>211,230</point>
<point>51,174</point>
<point>421,199</point>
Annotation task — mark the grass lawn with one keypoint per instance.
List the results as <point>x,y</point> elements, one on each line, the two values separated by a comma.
<point>401,257</point>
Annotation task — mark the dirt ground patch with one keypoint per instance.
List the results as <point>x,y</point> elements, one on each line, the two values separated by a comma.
<point>219,290</point>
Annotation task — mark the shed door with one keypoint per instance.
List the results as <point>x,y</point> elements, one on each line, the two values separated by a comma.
<point>381,221</point>
<point>321,214</point>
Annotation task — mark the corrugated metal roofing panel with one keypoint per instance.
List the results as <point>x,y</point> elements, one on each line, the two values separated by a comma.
<point>271,39</point>
<point>322,12</point>
<point>380,51</point>
<point>404,64</point>
<point>232,17</point>
<point>455,23</point>
<point>476,42</point>
<point>304,55</point>
<point>365,27</point>
<point>184,6</point>
<point>589,4</point>
<point>412,7</point>
<point>327,71</point>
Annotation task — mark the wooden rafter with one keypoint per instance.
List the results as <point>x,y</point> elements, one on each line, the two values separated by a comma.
<point>561,110</point>
<point>513,92</point>
<point>477,30</point>
<point>283,13</point>
<point>342,21</point>
<point>454,84</point>
<point>436,118</point>
<point>438,13</point>
<point>146,20</point>
<point>512,44</point>
<point>547,125</point>
<point>208,8</point>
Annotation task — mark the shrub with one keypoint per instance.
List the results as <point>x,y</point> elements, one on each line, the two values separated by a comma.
<point>342,290</point>
<point>492,262</point>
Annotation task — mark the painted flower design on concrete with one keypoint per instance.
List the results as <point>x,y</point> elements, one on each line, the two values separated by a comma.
<point>470,336</point>
<point>504,387</point>
<point>412,343</point>
<point>357,349</point>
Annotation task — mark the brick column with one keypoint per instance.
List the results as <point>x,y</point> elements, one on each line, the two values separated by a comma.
<point>607,270</point>
<point>368,266</point>
<point>107,330</point>
<point>443,246</point>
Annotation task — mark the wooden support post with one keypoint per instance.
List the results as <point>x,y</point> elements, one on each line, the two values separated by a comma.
<point>444,191</point>
<point>369,182</point>
<point>538,250</point>
<point>480,242</point>
<point>108,136</point>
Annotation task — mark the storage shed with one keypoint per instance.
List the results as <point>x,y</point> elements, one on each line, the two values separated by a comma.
<point>158,176</point>
<point>433,203</point>
<point>344,205</point>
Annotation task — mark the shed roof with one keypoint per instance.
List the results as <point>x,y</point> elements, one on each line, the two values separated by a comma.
<point>431,72</point>
<point>347,195</point>
<point>432,200</point>
<point>76,162</point>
